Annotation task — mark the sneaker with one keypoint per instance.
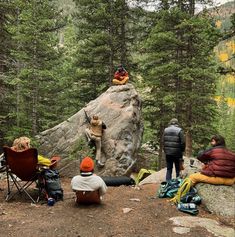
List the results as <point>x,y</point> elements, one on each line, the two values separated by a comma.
<point>100,164</point>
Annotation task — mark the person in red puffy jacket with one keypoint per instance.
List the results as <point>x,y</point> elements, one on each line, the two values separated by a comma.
<point>218,164</point>
<point>121,76</point>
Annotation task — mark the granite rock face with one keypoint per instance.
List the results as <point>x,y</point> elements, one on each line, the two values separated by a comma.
<point>120,109</point>
<point>218,199</point>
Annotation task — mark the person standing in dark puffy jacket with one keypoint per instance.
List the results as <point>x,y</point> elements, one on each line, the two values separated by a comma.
<point>174,146</point>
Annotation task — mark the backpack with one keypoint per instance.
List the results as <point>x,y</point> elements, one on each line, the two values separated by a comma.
<point>169,188</point>
<point>52,184</point>
<point>143,173</point>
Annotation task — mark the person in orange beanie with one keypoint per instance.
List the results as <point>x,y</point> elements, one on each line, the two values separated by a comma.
<point>87,180</point>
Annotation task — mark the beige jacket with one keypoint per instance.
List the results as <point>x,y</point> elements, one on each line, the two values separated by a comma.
<point>96,127</point>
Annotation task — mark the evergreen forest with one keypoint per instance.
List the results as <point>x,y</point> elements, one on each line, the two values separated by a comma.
<point>56,56</point>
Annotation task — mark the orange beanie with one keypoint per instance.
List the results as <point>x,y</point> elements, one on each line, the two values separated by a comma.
<point>87,165</point>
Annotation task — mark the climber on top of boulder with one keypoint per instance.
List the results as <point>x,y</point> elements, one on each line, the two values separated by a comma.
<point>121,76</point>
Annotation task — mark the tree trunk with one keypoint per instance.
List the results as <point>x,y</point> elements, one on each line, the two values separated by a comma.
<point>189,147</point>
<point>192,7</point>
<point>34,109</point>
<point>123,34</point>
<point>161,157</point>
<point>111,36</point>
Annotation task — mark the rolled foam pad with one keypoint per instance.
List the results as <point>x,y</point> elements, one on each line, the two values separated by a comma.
<point>118,181</point>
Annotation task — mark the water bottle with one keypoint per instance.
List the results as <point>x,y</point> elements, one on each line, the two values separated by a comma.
<point>50,201</point>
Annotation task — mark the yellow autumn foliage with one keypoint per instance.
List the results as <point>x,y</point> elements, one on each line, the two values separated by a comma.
<point>231,46</point>
<point>230,101</point>
<point>223,57</point>
<point>218,24</point>
<point>230,79</point>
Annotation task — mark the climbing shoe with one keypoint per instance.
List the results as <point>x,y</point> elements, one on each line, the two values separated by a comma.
<point>191,197</point>
<point>169,188</point>
<point>163,189</point>
<point>190,208</point>
<point>186,198</point>
<point>196,199</point>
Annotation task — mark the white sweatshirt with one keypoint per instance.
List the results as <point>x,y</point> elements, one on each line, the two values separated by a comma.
<point>89,183</point>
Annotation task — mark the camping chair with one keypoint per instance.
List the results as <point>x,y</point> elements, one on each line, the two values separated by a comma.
<point>22,171</point>
<point>88,197</point>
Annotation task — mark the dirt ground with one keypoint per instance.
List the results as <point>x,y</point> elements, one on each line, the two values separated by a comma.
<point>148,216</point>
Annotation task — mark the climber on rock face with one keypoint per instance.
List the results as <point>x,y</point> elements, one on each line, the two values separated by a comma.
<point>94,132</point>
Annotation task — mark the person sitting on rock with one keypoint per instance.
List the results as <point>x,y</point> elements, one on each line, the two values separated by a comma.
<point>121,76</point>
<point>218,168</point>
<point>94,132</point>
<point>88,183</point>
<point>218,164</point>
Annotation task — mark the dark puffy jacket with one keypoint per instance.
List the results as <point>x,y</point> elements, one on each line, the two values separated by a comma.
<point>173,141</point>
<point>218,162</point>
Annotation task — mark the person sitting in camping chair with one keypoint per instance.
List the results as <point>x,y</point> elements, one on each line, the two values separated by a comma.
<point>23,143</point>
<point>44,166</point>
<point>89,188</point>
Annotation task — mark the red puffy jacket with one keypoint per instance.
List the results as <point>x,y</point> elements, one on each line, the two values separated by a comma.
<point>120,75</point>
<point>218,162</point>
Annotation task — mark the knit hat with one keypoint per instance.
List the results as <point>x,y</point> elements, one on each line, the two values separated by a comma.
<point>87,165</point>
<point>174,121</point>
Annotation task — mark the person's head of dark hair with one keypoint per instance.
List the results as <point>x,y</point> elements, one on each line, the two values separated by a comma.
<point>120,68</point>
<point>219,140</point>
<point>95,117</point>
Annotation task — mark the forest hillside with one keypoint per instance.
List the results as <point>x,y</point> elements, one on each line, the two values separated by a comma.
<point>225,51</point>
<point>57,56</point>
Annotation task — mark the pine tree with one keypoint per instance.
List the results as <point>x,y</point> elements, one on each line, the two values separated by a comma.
<point>102,36</point>
<point>35,54</point>
<point>180,73</point>
<point>6,10</point>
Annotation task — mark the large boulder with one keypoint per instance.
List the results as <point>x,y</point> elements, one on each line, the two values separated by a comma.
<point>120,109</point>
<point>218,199</point>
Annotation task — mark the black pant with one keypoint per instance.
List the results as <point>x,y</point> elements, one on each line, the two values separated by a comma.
<point>170,160</point>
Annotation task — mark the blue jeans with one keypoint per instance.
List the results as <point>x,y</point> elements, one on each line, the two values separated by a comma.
<point>170,160</point>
